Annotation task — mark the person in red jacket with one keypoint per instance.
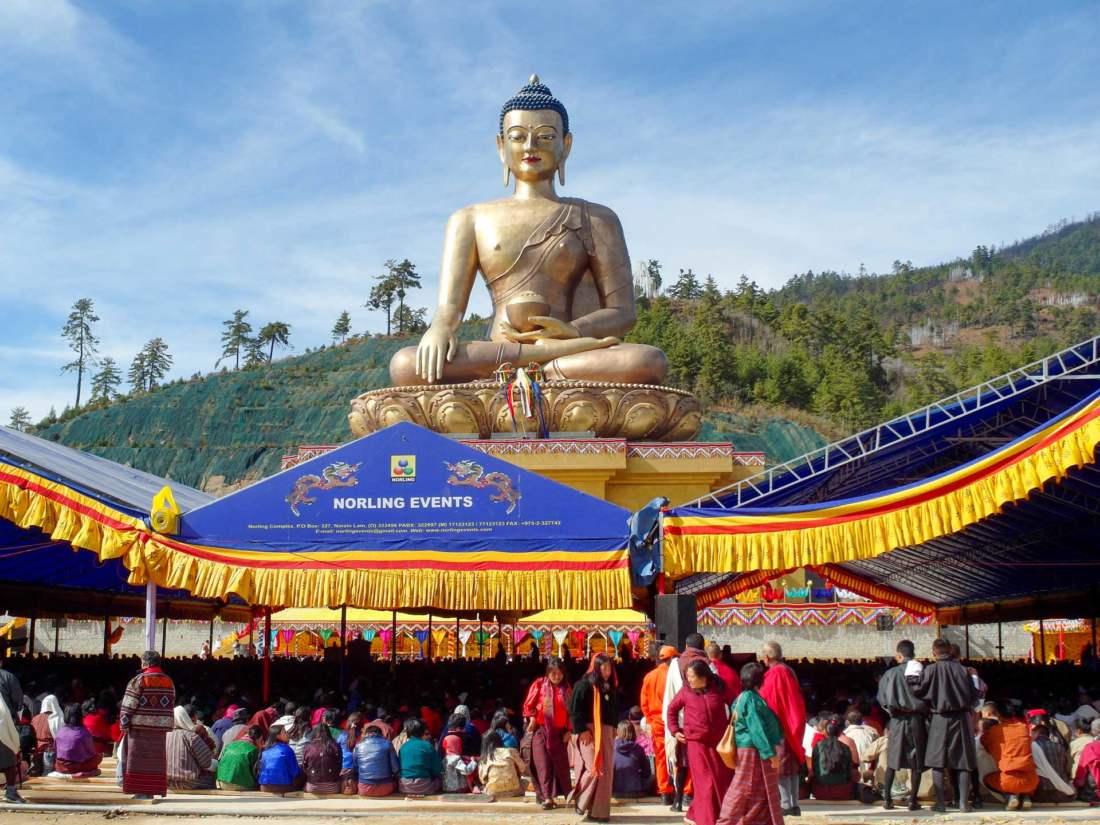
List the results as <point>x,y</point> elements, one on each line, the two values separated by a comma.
<point>731,682</point>
<point>706,717</point>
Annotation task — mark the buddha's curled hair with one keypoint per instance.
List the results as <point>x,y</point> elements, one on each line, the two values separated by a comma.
<point>535,95</point>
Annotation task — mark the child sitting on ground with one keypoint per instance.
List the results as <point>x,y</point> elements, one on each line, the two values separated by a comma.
<point>632,775</point>
<point>459,773</point>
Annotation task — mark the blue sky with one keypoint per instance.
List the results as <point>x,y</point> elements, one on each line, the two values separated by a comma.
<point>176,160</point>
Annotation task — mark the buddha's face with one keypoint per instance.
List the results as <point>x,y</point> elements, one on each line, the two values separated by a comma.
<point>533,145</point>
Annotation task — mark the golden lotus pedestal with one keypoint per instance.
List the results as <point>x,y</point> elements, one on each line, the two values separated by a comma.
<point>641,449</point>
<point>632,411</point>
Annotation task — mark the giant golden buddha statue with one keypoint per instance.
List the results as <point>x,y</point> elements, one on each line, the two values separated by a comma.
<point>559,277</point>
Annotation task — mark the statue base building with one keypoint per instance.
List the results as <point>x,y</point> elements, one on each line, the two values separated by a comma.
<point>634,412</point>
<point>630,474</point>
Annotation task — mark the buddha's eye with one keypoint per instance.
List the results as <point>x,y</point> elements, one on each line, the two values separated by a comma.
<point>516,135</point>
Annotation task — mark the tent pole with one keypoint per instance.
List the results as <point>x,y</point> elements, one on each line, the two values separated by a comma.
<point>429,635</point>
<point>106,634</point>
<point>480,637</point>
<point>57,634</point>
<point>1042,640</point>
<point>30,641</point>
<point>393,637</point>
<point>1000,638</point>
<point>267,657</point>
<point>966,631</point>
<point>343,645</point>
<point>458,630</point>
<point>211,642</point>
<point>150,615</point>
<point>164,637</point>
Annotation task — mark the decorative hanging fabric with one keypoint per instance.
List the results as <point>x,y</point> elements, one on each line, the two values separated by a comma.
<point>523,396</point>
<point>464,636</point>
<point>577,637</point>
<point>616,637</point>
<point>538,634</point>
<point>439,637</point>
<point>369,634</point>
<point>560,636</point>
<point>326,635</point>
<point>518,635</point>
<point>634,635</point>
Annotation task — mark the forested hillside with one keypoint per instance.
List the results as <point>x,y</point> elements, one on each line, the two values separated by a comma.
<point>779,371</point>
<point>854,349</point>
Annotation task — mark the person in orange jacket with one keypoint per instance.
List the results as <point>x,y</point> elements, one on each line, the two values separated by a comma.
<point>652,701</point>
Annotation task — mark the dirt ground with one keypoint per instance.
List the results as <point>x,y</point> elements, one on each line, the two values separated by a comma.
<point>637,815</point>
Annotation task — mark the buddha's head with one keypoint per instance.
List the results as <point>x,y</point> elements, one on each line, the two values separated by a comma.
<point>534,138</point>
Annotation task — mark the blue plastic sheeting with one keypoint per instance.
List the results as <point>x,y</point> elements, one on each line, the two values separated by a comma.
<point>406,488</point>
<point>31,558</point>
<point>127,489</point>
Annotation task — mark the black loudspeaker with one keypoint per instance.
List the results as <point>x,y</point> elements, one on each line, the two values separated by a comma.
<point>675,614</point>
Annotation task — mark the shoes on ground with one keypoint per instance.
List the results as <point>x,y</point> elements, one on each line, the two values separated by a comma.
<point>1025,803</point>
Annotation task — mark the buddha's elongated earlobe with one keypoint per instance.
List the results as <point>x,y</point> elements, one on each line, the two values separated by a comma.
<point>561,172</point>
<point>507,176</point>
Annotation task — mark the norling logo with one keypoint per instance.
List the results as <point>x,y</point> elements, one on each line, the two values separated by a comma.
<point>402,468</point>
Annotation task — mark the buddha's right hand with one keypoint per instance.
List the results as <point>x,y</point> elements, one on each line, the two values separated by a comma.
<point>435,348</point>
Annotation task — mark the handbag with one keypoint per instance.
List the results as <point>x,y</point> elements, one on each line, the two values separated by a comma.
<point>727,748</point>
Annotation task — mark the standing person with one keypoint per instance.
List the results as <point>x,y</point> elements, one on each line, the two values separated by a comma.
<point>145,717</point>
<point>675,753</point>
<point>11,695</point>
<point>731,682</point>
<point>593,712</point>
<point>546,710</point>
<point>908,728</point>
<point>705,719</point>
<point>951,694</point>
<point>780,689</point>
<point>753,796</point>
<point>653,705</point>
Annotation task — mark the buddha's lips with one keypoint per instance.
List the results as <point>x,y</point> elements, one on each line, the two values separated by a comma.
<point>532,159</point>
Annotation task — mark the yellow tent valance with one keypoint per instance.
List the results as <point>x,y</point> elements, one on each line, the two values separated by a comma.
<point>706,540</point>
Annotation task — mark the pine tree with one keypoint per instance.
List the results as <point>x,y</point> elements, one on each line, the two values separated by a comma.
<point>20,419</point>
<point>404,277</point>
<point>106,382</point>
<point>235,337</point>
<point>342,327</point>
<point>137,376</point>
<point>411,320</point>
<point>254,353</point>
<point>157,361</point>
<point>687,286</point>
<point>78,332</point>
<point>272,334</point>
<point>382,297</point>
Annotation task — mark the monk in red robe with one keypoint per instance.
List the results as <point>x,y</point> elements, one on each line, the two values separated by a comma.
<point>783,694</point>
<point>706,717</point>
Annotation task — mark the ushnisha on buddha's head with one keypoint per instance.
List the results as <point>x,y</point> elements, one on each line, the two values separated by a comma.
<point>534,138</point>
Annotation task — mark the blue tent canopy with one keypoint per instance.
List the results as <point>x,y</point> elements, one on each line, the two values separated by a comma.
<point>404,518</point>
<point>48,576</point>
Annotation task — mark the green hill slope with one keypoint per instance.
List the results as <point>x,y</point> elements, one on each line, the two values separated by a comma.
<point>230,427</point>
